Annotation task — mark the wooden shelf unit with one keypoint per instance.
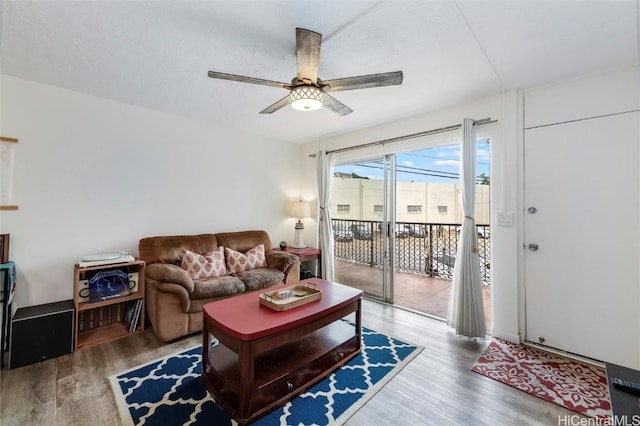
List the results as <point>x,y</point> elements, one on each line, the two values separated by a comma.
<point>103,321</point>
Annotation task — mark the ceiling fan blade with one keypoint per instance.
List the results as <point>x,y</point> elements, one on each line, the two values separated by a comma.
<point>308,55</point>
<point>276,106</point>
<point>242,79</point>
<point>336,106</point>
<point>362,82</point>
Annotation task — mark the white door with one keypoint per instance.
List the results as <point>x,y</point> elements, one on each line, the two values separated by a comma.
<point>582,211</point>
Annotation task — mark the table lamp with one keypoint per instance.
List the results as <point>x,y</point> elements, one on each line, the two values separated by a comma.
<point>299,210</point>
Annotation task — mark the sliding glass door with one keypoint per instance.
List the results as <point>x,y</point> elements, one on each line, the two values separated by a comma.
<point>396,220</point>
<point>363,193</point>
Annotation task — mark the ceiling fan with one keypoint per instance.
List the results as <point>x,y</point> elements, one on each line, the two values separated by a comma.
<point>307,91</point>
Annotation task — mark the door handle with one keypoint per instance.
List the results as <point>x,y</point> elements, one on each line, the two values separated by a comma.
<point>533,247</point>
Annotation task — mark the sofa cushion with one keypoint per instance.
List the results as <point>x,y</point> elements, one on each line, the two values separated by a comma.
<point>252,259</point>
<point>256,279</point>
<point>208,265</point>
<point>217,287</point>
<point>168,249</point>
<point>244,240</point>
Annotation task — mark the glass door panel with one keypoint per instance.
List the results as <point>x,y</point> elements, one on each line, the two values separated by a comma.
<point>396,220</point>
<point>428,218</point>
<point>360,212</point>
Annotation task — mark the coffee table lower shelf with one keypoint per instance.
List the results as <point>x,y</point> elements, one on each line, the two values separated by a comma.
<point>280,373</point>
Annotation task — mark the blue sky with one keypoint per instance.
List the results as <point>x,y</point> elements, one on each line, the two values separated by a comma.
<point>429,165</point>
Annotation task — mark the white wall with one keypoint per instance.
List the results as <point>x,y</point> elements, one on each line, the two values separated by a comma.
<point>504,156</point>
<point>93,175</point>
<point>508,296</point>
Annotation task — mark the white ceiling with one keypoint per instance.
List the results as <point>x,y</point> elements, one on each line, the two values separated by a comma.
<point>156,54</point>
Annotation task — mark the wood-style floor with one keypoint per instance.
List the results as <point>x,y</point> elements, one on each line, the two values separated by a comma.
<point>436,388</point>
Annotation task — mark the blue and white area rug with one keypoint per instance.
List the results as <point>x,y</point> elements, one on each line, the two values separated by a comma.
<point>169,391</point>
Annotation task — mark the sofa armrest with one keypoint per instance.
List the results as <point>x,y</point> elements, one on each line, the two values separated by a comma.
<point>292,274</point>
<point>167,273</point>
<point>177,291</point>
<point>280,260</point>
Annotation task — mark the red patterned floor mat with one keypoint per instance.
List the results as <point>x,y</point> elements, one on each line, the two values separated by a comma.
<point>578,386</point>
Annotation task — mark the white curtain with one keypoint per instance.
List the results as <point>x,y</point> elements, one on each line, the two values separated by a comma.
<point>325,166</point>
<point>466,310</point>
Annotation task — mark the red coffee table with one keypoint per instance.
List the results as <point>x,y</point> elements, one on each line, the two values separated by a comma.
<point>265,357</point>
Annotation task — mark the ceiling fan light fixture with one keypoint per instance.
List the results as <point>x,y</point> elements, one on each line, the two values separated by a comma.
<point>306,98</point>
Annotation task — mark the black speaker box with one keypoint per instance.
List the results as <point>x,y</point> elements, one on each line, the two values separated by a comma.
<point>41,332</point>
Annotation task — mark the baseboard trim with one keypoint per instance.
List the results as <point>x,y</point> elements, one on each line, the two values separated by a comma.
<point>565,354</point>
<point>513,338</point>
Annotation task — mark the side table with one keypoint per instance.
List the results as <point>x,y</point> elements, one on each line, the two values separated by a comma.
<point>307,254</point>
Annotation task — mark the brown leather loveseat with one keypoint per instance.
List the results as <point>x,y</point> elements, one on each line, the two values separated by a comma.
<point>175,298</point>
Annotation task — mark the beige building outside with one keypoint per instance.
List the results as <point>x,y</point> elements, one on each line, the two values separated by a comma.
<point>417,202</point>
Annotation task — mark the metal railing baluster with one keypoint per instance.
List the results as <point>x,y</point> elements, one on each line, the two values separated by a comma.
<point>431,255</point>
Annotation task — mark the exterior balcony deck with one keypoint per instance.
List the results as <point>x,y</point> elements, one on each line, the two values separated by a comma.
<point>424,261</point>
<point>427,295</point>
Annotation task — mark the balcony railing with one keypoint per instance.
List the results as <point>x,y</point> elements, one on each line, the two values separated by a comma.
<point>423,249</point>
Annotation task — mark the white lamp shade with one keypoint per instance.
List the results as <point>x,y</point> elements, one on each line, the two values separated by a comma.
<point>306,98</point>
<point>300,209</point>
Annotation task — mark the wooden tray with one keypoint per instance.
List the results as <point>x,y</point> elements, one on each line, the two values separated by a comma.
<point>300,294</point>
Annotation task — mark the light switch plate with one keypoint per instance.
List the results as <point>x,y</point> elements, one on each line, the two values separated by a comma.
<point>505,219</point>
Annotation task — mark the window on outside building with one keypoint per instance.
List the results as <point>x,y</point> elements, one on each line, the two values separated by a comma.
<point>442,209</point>
<point>414,209</point>
<point>377,208</point>
<point>344,208</point>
